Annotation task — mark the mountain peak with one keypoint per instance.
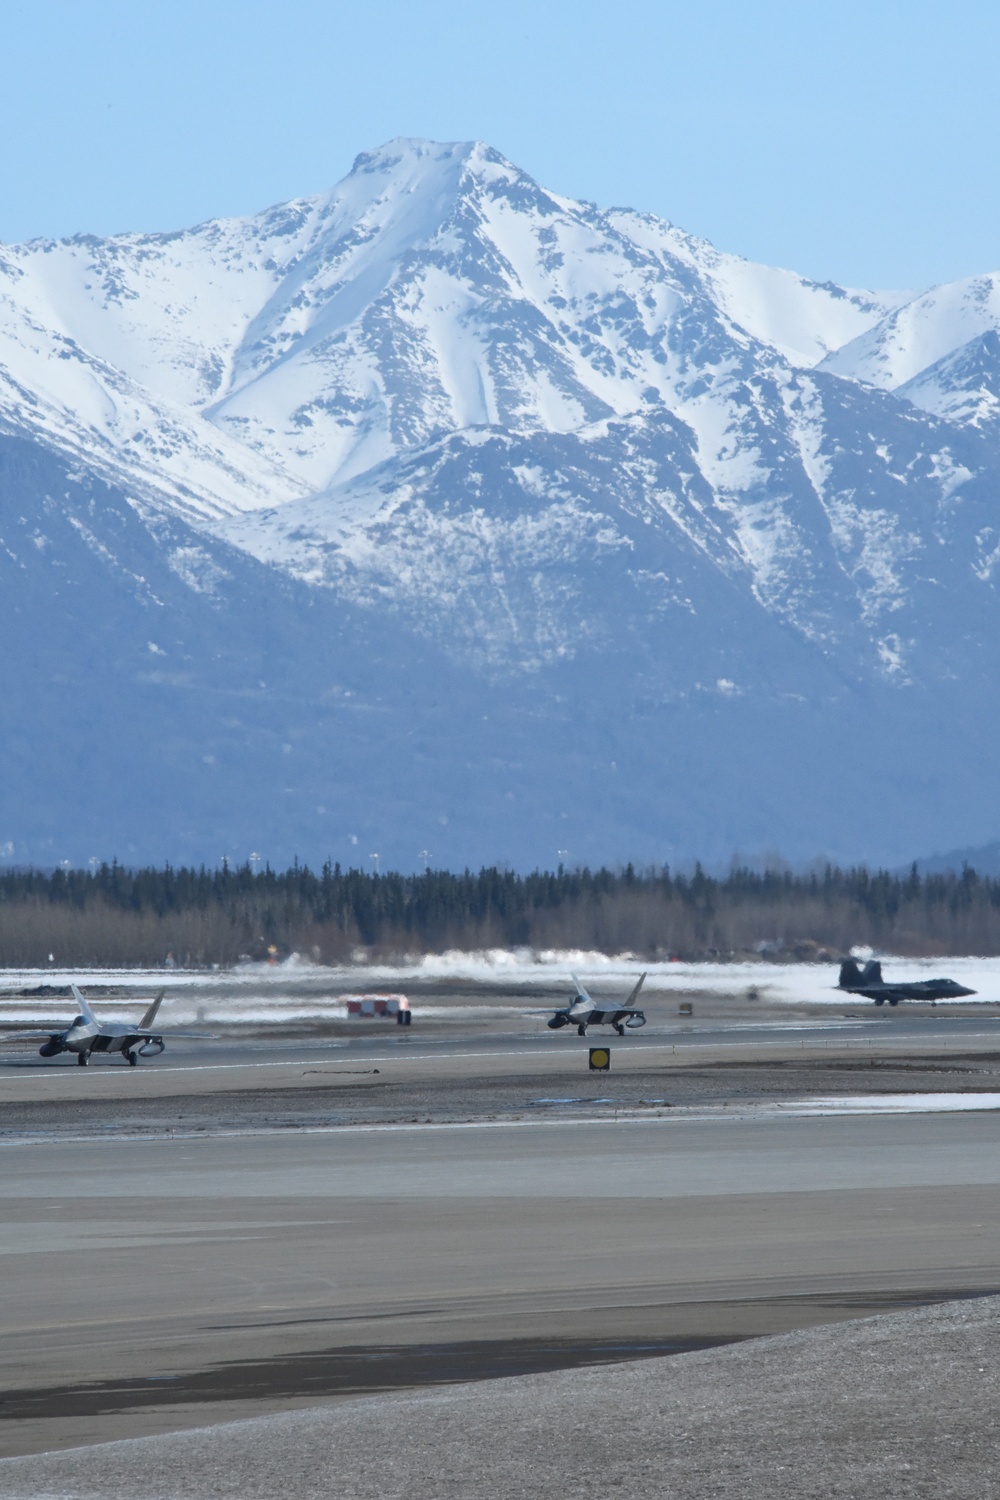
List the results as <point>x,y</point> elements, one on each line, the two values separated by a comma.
<point>408,165</point>
<point>411,152</point>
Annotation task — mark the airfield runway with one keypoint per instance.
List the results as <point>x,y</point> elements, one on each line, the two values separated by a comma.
<point>268,1226</point>
<point>899,1405</point>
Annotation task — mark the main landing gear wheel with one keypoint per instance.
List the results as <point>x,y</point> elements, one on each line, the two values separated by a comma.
<point>620,1029</point>
<point>82,1059</point>
<point>131,1059</point>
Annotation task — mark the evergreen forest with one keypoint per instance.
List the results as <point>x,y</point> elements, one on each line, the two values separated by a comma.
<point>112,915</point>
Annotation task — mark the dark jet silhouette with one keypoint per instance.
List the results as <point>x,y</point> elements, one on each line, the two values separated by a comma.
<point>869,982</point>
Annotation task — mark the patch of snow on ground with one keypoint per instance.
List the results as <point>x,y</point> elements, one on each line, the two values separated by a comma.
<point>889,1104</point>
<point>792,983</point>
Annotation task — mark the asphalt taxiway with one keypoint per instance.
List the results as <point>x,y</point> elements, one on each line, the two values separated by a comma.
<point>897,1405</point>
<point>443,1049</point>
<point>151,1284</point>
<point>262,1223</point>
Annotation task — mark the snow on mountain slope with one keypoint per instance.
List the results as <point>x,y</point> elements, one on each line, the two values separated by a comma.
<point>171,458</point>
<point>285,363</point>
<point>538,468</point>
<point>132,339</point>
<point>486,539</point>
<point>964,385</point>
<point>71,373</point>
<point>436,288</point>
<point>923,331</point>
<point>169,697</point>
<point>803,320</point>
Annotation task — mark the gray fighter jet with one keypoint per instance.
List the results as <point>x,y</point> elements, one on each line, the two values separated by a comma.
<point>869,982</point>
<point>582,1012</point>
<point>86,1034</point>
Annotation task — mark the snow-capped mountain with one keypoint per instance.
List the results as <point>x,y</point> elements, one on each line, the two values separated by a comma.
<point>437,289</point>
<point>444,512</point>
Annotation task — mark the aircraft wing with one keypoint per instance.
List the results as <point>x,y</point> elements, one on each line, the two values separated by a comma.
<point>29,1036</point>
<point>209,1036</point>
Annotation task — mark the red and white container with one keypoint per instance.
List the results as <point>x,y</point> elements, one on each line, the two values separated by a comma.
<point>379,1005</point>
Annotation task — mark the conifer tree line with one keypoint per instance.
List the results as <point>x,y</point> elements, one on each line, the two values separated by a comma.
<point>113,915</point>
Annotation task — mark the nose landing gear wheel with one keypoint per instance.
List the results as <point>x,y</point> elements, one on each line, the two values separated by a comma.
<point>82,1059</point>
<point>581,1031</point>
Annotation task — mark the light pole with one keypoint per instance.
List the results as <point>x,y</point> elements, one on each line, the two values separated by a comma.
<point>375,858</point>
<point>425,855</point>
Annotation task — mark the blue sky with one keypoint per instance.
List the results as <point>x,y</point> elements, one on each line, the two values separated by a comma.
<point>850,141</point>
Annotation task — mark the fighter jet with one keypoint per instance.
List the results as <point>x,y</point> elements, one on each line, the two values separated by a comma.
<point>583,1012</point>
<point>869,982</point>
<point>86,1034</point>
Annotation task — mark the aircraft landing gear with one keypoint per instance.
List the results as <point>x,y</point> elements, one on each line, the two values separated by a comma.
<point>82,1059</point>
<point>620,1029</point>
<point>131,1059</point>
<point>581,1031</point>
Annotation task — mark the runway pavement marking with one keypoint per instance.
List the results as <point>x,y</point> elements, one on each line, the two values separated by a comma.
<point>381,1058</point>
<point>302,1062</point>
